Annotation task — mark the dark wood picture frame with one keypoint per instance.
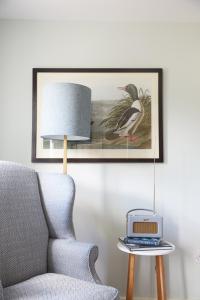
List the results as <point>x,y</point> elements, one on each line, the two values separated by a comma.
<point>35,72</point>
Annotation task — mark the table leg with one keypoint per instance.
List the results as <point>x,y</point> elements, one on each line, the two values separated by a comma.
<point>161,291</point>
<point>131,273</point>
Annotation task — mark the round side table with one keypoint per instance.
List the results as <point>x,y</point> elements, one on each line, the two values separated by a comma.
<point>161,291</point>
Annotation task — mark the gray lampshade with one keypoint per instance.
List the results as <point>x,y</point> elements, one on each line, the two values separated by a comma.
<point>66,110</point>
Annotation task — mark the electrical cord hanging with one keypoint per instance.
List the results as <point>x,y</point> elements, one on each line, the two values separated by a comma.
<point>154,184</point>
<point>154,172</point>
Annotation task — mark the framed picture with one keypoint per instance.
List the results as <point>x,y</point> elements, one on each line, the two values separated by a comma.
<point>126,119</point>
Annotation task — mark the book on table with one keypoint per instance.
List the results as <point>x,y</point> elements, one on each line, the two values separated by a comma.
<point>163,245</point>
<point>147,241</point>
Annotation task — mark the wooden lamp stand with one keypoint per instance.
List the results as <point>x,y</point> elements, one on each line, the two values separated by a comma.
<point>65,155</point>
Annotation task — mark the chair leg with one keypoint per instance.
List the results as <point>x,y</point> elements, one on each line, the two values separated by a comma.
<point>131,275</point>
<point>161,291</point>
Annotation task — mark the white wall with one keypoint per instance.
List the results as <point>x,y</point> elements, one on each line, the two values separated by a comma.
<point>105,192</point>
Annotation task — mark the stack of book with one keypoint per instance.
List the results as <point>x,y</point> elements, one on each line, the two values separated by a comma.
<point>144,244</point>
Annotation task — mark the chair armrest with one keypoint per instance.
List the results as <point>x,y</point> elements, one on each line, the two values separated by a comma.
<point>73,258</point>
<point>1,291</point>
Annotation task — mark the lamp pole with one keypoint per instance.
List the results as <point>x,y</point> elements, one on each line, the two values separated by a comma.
<point>65,155</point>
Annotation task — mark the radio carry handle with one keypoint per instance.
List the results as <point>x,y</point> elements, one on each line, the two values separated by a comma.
<point>136,209</point>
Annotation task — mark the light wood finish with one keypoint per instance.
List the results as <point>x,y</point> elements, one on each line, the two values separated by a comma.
<point>65,155</point>
<point>131,277</point>
<point>145,227</point>
<point>160,273</point>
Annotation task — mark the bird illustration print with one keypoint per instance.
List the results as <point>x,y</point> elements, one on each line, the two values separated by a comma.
<point>132,117</point>
<point>126,116</point>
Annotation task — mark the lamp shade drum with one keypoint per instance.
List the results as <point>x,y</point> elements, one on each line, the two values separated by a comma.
<point>66,111</point>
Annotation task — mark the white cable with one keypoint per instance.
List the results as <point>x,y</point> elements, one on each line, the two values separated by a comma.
<point>154,172</point>
<point>154,185</point>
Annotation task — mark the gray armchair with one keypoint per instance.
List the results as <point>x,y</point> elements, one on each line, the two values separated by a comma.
<point>39,255</point>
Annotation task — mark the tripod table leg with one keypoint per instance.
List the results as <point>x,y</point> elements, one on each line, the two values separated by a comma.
<point>160,273</point>
<point>131,275</point>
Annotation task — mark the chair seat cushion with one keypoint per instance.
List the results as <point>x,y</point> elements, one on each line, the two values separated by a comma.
<point>58,287</point>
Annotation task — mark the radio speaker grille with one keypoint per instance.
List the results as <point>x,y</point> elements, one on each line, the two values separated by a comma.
<point>145,227</point>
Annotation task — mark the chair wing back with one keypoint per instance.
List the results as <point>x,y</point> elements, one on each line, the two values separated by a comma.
<point>23,229</point>
<point>57,194</point>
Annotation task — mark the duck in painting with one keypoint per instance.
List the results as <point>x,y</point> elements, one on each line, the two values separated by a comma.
<point>132,117</point>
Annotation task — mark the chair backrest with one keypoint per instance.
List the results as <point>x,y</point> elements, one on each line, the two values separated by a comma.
<point>23,228</point>
<point>57,196</point>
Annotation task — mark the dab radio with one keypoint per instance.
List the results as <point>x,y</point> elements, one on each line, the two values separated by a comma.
<point>147,224</point>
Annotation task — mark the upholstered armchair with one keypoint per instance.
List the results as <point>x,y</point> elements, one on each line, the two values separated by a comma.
<point>39,255</point>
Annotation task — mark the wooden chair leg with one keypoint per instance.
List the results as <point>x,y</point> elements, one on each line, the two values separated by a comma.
<point>131,275</point>
<point>161,291</point>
